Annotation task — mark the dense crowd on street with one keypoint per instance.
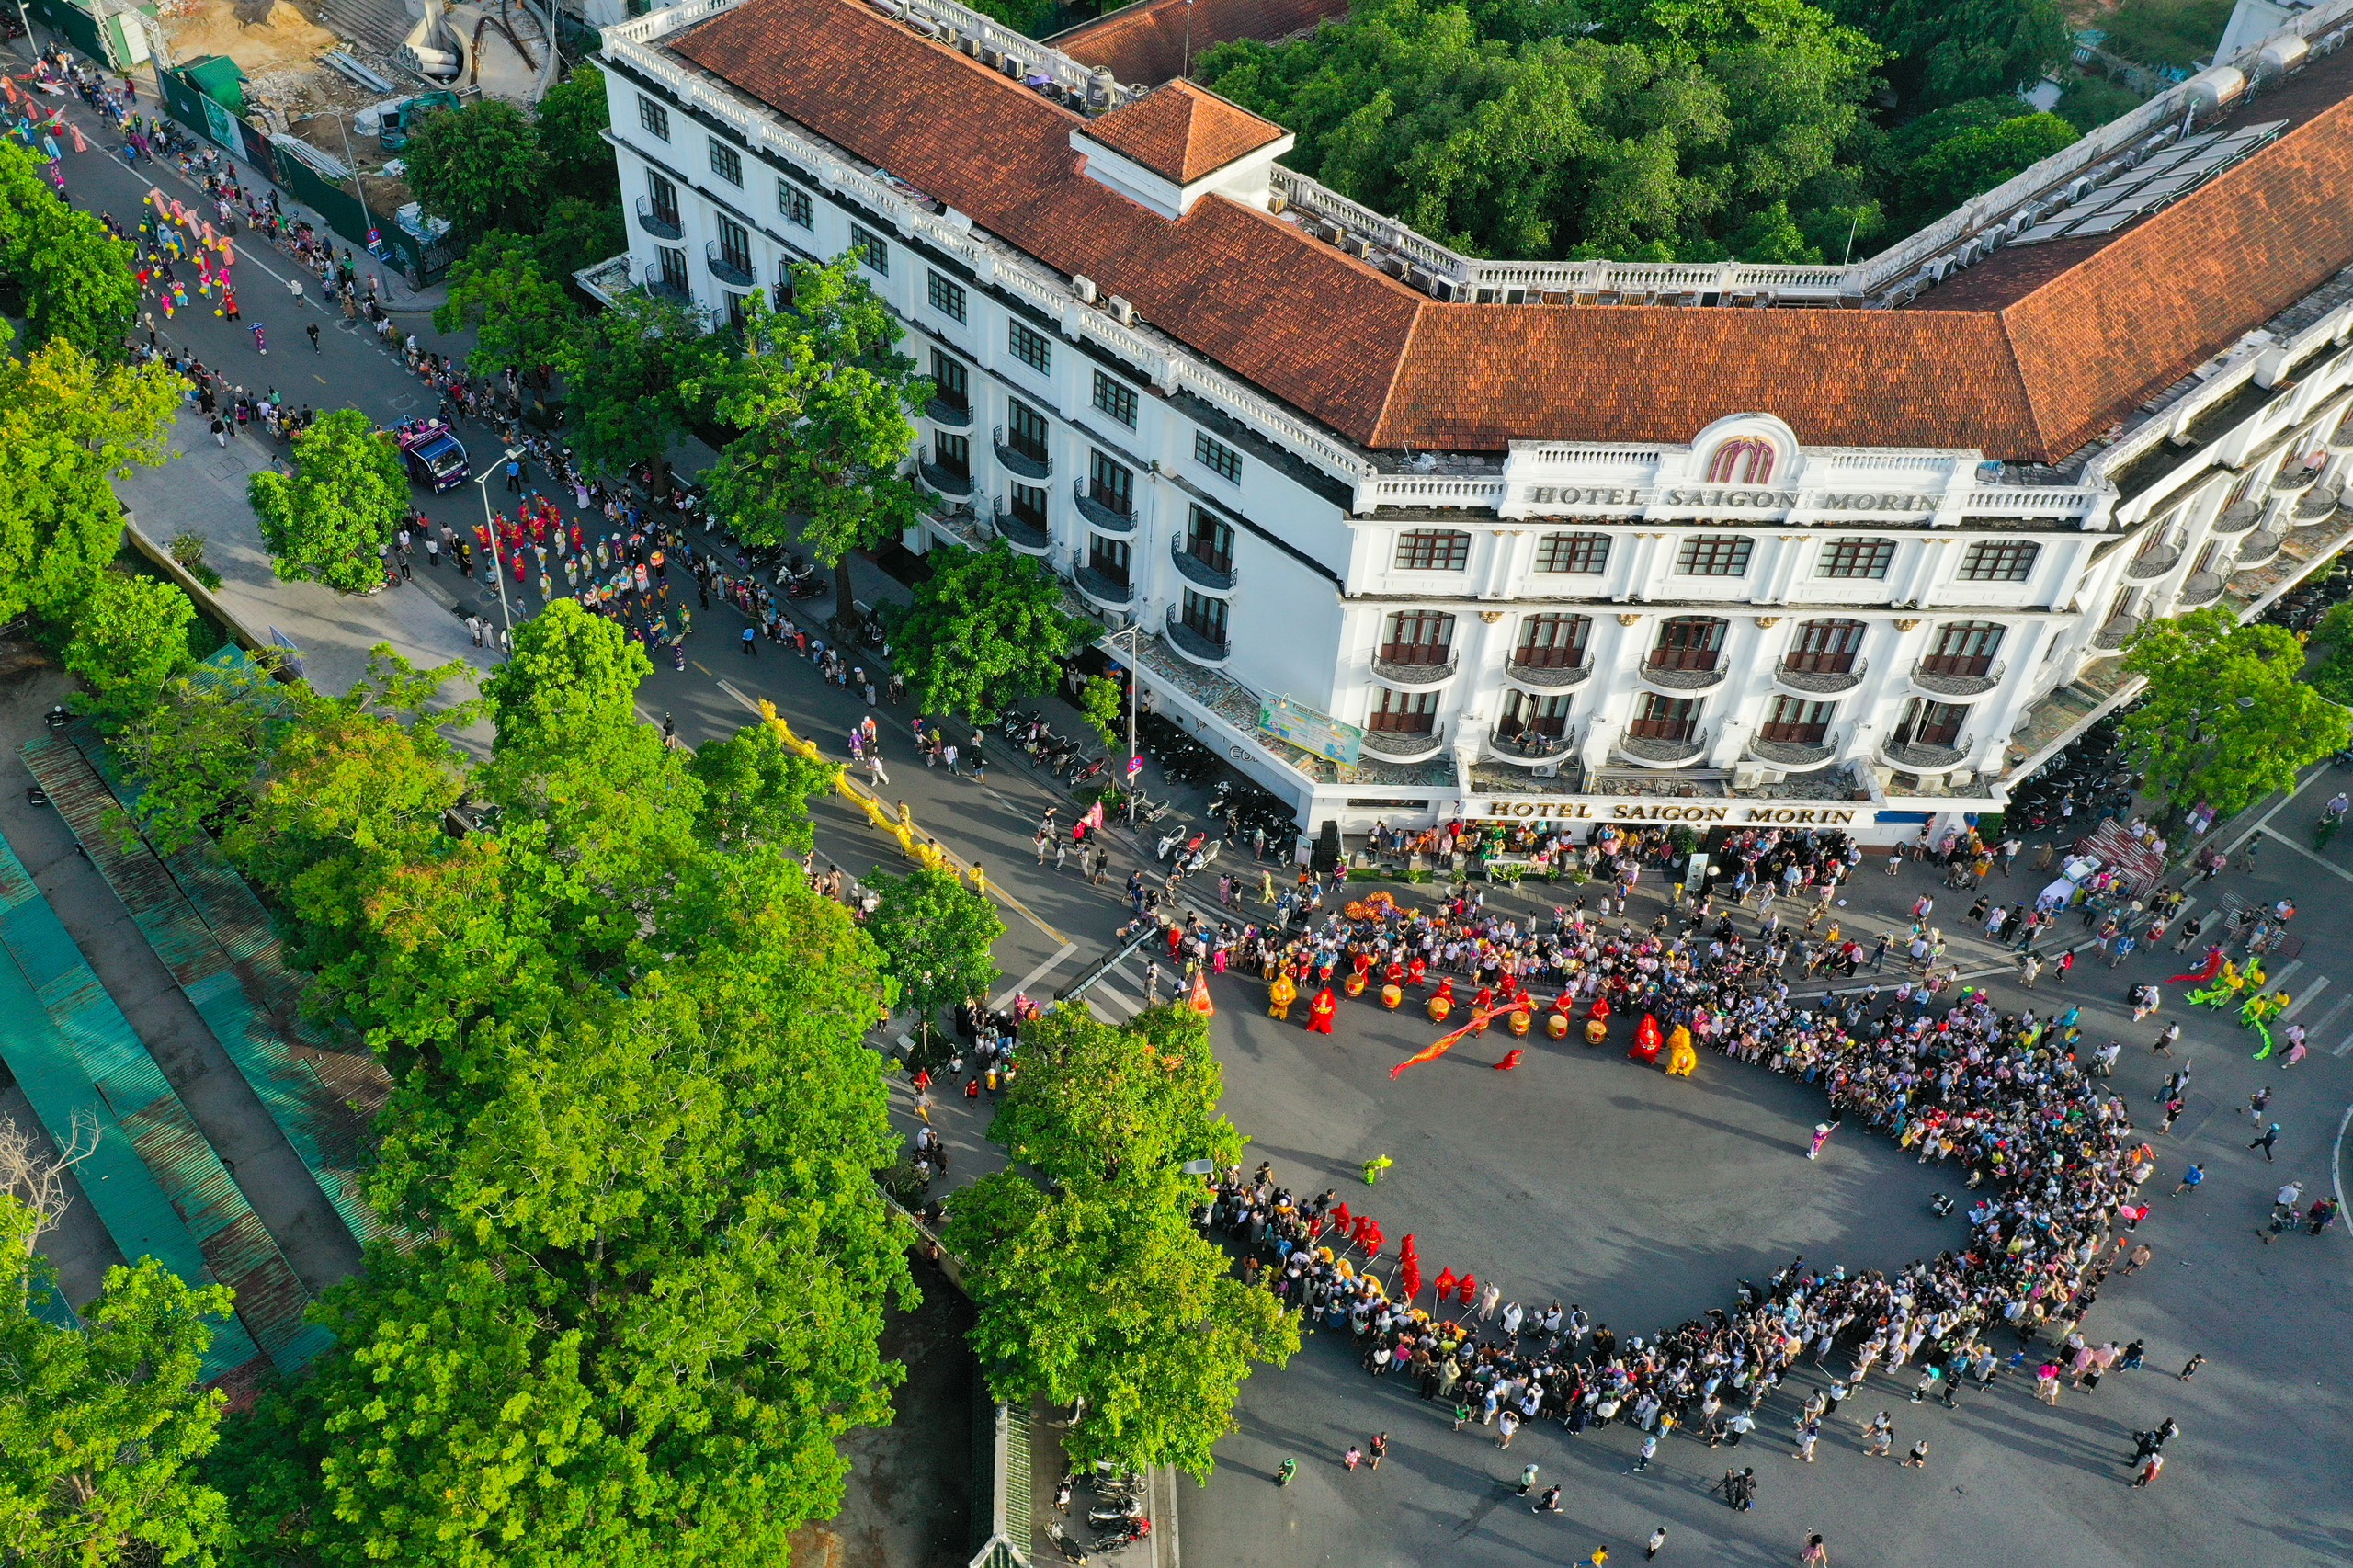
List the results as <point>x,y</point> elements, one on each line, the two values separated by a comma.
<point>2000,1098</point>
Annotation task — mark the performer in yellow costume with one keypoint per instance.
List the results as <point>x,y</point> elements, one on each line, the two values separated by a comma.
<point>1681,1058</point>
<point>1280,996</point>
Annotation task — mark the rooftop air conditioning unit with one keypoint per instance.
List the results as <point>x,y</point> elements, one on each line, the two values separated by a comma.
<point>1084,288</point>
<point>1122,311</point>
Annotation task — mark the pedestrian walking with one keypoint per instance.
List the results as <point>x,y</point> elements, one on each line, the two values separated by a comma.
<point>313,331</point>
<point>2190,1179</point>
<point>1816,1554</point>
<point>1377,1449</point>
<point>2189,1368</point>
<point>1528,1480</point>
<point>2269,1137</point>
<point>1548,1504</point>
<point>1353,1458</point>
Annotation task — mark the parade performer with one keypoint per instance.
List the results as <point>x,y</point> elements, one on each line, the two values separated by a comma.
<point>1443,1044</point>
<point>1520,1017</point>
<point>1510,1061</point>
<point>2199,976</point>
<point>1200,1001</point>
<point>1647,1041</point>
<point>2224,985</point>
<point>2257,1014</point>
<point>1280,996</point>
<point>1681,1058</point>
<point>1320,1012</point>
<point>1556,1017</point>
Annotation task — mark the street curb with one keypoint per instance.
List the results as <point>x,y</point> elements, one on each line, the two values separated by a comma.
<point>161,559</point>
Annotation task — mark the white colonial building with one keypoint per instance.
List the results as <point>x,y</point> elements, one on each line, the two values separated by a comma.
<point>1406,534</point>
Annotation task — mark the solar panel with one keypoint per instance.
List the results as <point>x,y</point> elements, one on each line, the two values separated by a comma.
<point>2049,229</point>
<point>2107,222</point>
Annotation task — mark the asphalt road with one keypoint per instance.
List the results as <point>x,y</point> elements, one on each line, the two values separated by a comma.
<point>1582,1177</point>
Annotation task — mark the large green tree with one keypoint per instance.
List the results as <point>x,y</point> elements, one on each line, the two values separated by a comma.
<point>1099,1290</point>
<point>986,629</point>
<point>1537,128</point>
<point>937,938</point>
<point>131,637</point>
<point>68,426</point>
<point>1976,159</point>
<point>2225,718</point>
<point>822,396</point>
<point>481,166</point>
<point>101,1428</point>
<point>755,791</point>
<point>330,521</point>
<point>520,315</point>
<point>1945,52</point>
<point>627,372</point>
<point>572,118</point>
<point>76,278</point>
<point>633,1137</point>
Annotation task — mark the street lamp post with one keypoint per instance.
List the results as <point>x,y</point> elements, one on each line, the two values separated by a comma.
<point>358,186</point>
<point>1134,635</point>
<point>498,569</point>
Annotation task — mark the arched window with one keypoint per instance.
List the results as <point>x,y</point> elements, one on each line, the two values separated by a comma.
<point>1689,643</point>
<point>1825,647</point>
<point>1964,648</point>
<point>1552,642</point>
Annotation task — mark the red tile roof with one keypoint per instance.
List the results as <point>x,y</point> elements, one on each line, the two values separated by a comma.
<point>1152,42</point>
<point>1182,132</point>
<point>2028,363</point>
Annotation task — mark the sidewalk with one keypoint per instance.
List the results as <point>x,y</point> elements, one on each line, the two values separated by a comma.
<point>203,491</point>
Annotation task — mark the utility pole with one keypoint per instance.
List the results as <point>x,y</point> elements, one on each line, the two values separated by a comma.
<point>498,569</point>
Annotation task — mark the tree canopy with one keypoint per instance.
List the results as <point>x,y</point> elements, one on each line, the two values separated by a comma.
<point>821,395</point>
<point>986,629</point>
<point>331,520</point>
<point>628,372</point>
<point>480,165</point>
<point>1099,1291</point>
<point>131,636</point>
<point>937,938</point>
<point>75,277</point>
<point>2225,718</point>
<point>69,425</point>
<point>102,1428</point>
<point>631,1141</point>
<point>521,316</point>
<point>1636,130</point>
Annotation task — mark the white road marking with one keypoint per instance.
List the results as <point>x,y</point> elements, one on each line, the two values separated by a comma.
<point>2329,866</point>
<point>2336,1155</point>
<point>2264,820</point>
<point>1030,979</point>
<point>2306,994</point>
<point>2331,1017</point>
<point>2281,977</point>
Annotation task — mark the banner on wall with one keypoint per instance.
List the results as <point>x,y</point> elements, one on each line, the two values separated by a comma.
<point>1309,731</point>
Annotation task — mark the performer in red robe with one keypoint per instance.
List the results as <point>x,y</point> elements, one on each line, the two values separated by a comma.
<point>1647,1041</point>
<point>1415,970</point>
<point>1510,1061</point>
<point>2199,977</point>
<point>1320,1012</point>
<point>1480,1003</point>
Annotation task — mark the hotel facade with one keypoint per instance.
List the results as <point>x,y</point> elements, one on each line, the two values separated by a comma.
<point>1406,535</point>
